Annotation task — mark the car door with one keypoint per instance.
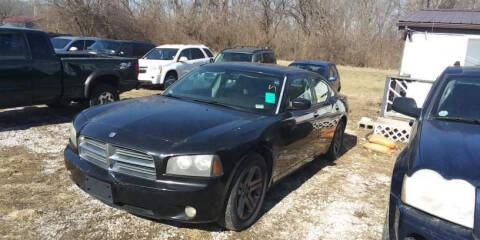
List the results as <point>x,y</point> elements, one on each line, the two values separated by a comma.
<point>326,115</point>
<point>297,129</point>
<point>184,66</point>
<point>46,69</point>
<point>15,70</point>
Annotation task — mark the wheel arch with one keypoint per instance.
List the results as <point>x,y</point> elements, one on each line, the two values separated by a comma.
<point>107,77</point>
<point>262,150</point>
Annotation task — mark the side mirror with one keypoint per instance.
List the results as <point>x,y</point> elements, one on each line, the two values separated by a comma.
<point>73,49</point>
<point>406,106</point>
<point>212,60</point>
<point>332,79</point>
<point>300,104</point>
<point>332,100</point>
<point>183,59</point>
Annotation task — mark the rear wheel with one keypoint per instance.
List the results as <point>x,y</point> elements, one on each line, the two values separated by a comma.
<point>103,94</point>
<point>337,142</point>
<point>247,194</point>
<point>169,80</point>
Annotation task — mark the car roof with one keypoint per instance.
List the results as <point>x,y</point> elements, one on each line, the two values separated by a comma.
<point>182,46</point>
<point>272,69</point>
<point>246,49</point>
<point>465,71</point>
<point>313,62</point>
<point>133,41</point>
<point>19,29</point>
<point>79,38</point>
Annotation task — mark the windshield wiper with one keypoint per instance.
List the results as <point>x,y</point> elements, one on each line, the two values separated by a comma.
<point>217,103</point>
<point>458,119</point>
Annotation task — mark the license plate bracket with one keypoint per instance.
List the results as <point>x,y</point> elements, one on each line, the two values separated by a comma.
<point>99,189</point>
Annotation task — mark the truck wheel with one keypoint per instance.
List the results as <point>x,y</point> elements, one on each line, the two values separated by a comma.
<point>169,80</point>
<point>247,194</point>
<point>103,94</point>
<point>337,142</point>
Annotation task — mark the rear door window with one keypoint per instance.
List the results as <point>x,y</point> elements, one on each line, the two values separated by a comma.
<point>208,52</point>
<point>89,43</point>
<point>186,53</point>
<point>39,46</point>
<point>268,57</point>
<point>197,53</point>
<point>12,46</point>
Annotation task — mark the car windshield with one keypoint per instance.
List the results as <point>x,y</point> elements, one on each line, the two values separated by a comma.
<point>59,43</point>
<point>459,100</point>
<point>104,45</point>
<point>234,57</point>
<point>161,54</point>
<point>310,67</point>
<point>241,90</point>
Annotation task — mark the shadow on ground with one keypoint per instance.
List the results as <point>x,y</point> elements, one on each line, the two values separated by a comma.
<point>282,189</point>
<point>35,116</point>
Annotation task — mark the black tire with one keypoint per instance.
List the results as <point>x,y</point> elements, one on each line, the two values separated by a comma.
<point>247,194</point>
<point>103,94</point>
<point>336,146</point>
<point>169,80</point>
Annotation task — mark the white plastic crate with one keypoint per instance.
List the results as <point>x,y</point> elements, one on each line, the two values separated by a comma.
<point>396,130</point>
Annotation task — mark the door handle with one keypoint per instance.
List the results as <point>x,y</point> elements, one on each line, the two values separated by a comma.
<point>316,115</point>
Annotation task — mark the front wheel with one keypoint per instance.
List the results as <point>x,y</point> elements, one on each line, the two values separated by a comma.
<point>103,94</point>
<point>169,80</point>
<point>247,194</point>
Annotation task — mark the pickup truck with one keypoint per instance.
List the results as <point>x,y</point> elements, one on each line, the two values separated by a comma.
<point>31,73</point>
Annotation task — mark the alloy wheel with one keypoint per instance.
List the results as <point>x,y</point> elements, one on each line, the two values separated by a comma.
<point>106,97</point>
<point>249,192</point>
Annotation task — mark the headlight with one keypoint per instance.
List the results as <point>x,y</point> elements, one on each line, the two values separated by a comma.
<point>452,200</point>
<point>73,136</point>
<point>195,165</point>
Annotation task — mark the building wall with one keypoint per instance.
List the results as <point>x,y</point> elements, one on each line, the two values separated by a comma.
<point>426,55</point>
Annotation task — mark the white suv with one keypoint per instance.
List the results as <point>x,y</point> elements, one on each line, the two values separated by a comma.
<point>165,64</point>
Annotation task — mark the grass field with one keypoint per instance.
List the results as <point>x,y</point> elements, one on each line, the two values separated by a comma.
<point>323,200</point>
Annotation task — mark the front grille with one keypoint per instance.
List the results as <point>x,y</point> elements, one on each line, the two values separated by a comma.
<point>132,162</point>
<point>93,151</point>
<point>143,69</point>
<point>117,159</point>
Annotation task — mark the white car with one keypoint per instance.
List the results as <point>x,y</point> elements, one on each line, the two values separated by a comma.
<point>164,64</point>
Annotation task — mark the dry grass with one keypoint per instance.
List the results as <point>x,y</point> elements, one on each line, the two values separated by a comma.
<point>343,200</point>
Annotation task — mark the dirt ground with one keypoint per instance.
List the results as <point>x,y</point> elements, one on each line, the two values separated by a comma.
<point>341,200</point>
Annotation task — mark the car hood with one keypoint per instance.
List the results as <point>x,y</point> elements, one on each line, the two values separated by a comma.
<point>153,63</point>
<point>158,122</point>
<point>450,148</point>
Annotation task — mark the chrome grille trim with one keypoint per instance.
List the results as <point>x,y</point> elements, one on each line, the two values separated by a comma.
<point>117,159</point>
<point>132,162</point>
<point>93,151</point>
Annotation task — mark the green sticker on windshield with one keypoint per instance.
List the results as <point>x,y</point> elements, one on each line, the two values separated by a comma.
<point>270,97</point>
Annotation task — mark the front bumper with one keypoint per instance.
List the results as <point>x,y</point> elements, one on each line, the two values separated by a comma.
<point>150,198</point>
<point>406,221</point>
<point>149,78</point>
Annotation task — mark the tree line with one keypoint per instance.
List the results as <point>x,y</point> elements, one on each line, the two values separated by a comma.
<point>350,32</point>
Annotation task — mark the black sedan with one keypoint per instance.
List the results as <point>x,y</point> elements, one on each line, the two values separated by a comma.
<point>208,148</point>
<point>434,192</point>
